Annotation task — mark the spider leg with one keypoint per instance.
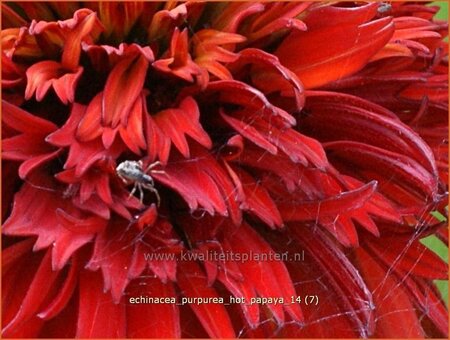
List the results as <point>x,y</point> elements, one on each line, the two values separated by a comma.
<point>158,198</point>
<point>141,193</point>
<point>123,179</point>
<point>152,189</point>
<point>133,191</point>
<point>151,166</point>
<point>158,172</point>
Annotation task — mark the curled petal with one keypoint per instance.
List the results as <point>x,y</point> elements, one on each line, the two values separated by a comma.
<point>230,19</point>
<point>359,120</point>
<point>67,35</point>
<point>271,75</point>
<point>163,21</point>
<point>19,43</point>
<point>29,146</point>
<point>276,17</point>
<point>65,293</point>
<point>319,15</point>
<point>23,121</point>
<point>178,61</point>
<point>210,48</point>
<point>45,74</point>
<point>105,57</point>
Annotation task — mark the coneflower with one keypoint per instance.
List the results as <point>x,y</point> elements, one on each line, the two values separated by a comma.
<point>135,134</point>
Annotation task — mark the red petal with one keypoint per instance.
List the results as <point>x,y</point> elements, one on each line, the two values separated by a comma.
<point>432,306</point>
<point>39,290</point>
<point>276,282</point>
<point>213,316</point>
<point>334,51</point>
<point>44,74</point>
<point>334,206</point>
<point>388,163</point>
<point>259,202</point>
<point>158,145</point>
<point>408,259</point>
<point>65,136</point>
<point>354,297</point>
<point>14,290</point>
<point>65,293</point>
<point>175,123</point>
<point>249,132</point>
<point>389,296</point>
<point>31,164</point>
<point>39,202</point>
<point>112,254</point>
<point>133,132</point>
<point>202,181</point>
<point>229,19</point>
<point>356,119</point>
<point>13,253</point>
<point>21,120</point>
<point>98,316</point>
<point>25,147</point>
<point>324,14</point>
<point>69,33</point>
<point>153,320</point>
<point>122,88</point>
<point>279,77</point>
<point>242,94</point>
<point>89,126</point>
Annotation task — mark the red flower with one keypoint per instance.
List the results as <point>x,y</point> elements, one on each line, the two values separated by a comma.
<point>175,151</point>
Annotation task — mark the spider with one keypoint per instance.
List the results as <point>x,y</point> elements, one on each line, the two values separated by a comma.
<point>132,172</point>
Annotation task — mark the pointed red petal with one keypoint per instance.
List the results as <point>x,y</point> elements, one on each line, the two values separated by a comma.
<point>64,294</point>
<point>21,120</point>
<point>65,135</point>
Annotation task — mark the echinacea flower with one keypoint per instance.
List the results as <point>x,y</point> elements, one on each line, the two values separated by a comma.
<point>239,128</point>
